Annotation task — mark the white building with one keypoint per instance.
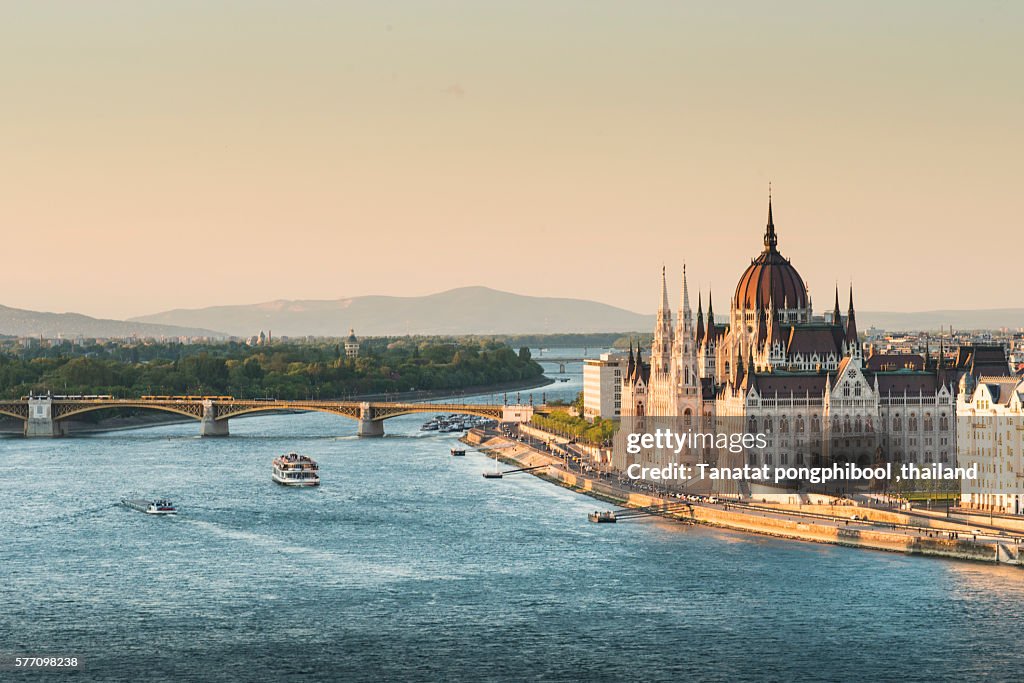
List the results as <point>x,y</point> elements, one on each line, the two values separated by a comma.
<point>351,345</point>
<point>602,386</point>
<point>991,434</point>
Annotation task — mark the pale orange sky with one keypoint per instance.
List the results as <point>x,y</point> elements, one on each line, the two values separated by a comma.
<point>170,154</point>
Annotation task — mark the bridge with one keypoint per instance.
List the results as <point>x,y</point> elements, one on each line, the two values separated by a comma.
<point>48,416</point>
<point>560,361</point>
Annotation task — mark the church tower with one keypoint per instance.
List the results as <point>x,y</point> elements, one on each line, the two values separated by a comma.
<point>661,350</point>
<point>686,376</point>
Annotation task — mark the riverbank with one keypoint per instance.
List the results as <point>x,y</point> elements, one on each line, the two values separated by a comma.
<point>847,525</point>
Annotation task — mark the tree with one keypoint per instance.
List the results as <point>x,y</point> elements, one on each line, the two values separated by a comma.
<point>524,353</point>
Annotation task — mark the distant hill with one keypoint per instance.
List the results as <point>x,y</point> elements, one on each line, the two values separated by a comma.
<point>467,310</point>
<point>21,323</point>
<point>986,319</point>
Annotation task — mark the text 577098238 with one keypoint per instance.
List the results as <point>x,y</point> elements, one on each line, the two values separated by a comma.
<point>17,662</point>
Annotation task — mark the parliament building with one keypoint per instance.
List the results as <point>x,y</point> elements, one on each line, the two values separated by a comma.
<point>804,380</point>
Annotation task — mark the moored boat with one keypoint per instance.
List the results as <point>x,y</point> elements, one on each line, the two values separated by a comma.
<point>607,517</point>
<point>293,469</point>
<point>458,451</point>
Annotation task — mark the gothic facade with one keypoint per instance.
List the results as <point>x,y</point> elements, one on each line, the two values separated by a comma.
<point>803,380</point>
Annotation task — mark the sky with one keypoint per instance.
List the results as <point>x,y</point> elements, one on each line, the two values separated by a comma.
<point>158,155</point>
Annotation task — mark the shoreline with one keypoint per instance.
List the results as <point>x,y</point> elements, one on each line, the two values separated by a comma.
<point>852,526</point>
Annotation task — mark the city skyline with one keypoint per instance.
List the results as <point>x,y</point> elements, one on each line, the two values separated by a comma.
<point>158,159</point>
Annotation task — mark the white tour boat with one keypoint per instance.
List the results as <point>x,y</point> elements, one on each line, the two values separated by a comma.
<point>293,469</point>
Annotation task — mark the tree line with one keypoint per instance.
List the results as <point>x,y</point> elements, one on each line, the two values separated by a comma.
<point>317,369</point>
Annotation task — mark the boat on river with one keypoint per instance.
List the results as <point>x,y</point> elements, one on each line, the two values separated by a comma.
<point>606,517</point>
<point>293,469</point>
<point>159,506</point>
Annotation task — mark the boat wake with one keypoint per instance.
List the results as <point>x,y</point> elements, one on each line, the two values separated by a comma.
<point>70,516</point>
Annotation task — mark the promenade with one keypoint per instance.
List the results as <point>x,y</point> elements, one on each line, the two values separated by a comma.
<point>845,523</point>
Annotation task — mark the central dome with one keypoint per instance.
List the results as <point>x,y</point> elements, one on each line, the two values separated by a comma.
<point>770,278</point>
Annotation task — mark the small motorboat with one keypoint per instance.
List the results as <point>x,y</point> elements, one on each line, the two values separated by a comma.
<point>458,451</point>
<point>160,506</point>
<point>606,517</point>
<point>492,475</point>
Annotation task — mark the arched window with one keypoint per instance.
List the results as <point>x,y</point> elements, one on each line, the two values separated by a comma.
<point>752,425</point>
<point>784,425</point>
<point>897,423</point>
<point>929,424</point>
<point>943,422</point>
<point>846,424</point>
<point>815,423</point>
<point>912,422</point>
<point>858,425</point>
<point>800,423</point>
<point>767,425</point>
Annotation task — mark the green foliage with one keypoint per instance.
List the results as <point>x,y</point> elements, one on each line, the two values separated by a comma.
<point>563,422</point>
<point>283,370</point>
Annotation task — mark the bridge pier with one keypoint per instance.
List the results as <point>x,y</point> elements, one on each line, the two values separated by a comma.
<point>371,428</point>
<point>368,426</point>
<point>40,420</point>
<point>210,425</point>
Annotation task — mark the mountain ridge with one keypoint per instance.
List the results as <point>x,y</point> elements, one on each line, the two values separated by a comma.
<point>18,322</point>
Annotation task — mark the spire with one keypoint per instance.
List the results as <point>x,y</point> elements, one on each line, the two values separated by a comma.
<point>836,315</point>
<point>851,325</point>
<point>664,293</point>
<point>774,332</point>
<point>762,328</point>
<point>700,322</point>
<point>711,317</point>
<point>684,305</point>
<point>739,370</point>
<point>940,367</point>
<point>770,239</point>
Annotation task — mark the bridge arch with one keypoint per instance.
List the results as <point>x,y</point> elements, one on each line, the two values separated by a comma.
<point>61,412</point>
<point>15,411</point>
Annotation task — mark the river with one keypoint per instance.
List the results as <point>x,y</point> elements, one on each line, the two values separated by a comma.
<point>407,565</point>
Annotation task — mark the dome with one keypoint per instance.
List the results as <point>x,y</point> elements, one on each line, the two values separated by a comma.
<point>770,278</point>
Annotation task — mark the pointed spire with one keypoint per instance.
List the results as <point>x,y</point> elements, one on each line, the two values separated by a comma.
<point>664,293</point>
<point>851,325</point>
<point>739,370</point>
<point>770,239</point>
<point>699,338</point>
<point>836,315</point>
<point>630,362</point>
<point>774,332</point>
<point>684,305</point>
<point>711,317</point>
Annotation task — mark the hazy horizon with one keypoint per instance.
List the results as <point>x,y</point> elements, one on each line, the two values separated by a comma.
<point>180,155</point>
